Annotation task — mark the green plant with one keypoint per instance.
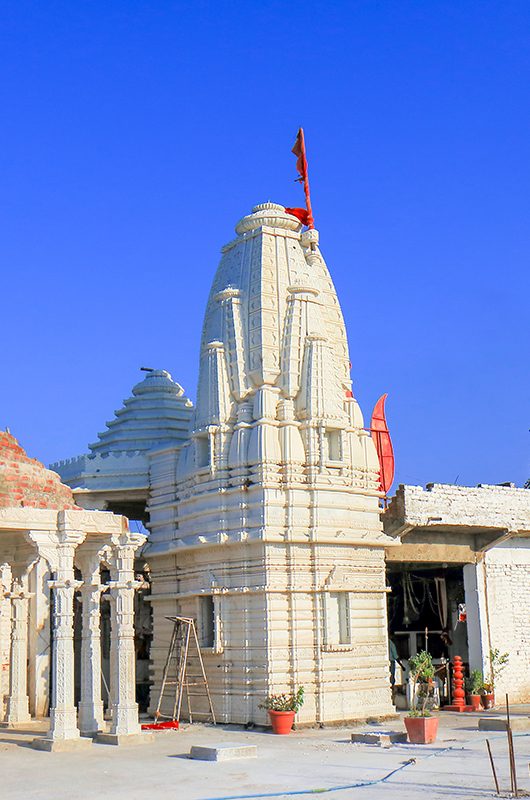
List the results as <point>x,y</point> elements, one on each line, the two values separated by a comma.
<point>285,701</point>
<point>415,712</point>
<point>422,673</point>
<point>498,663</point>
<point>475,682</point>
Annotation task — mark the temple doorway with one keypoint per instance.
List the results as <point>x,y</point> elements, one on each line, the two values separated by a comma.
<point>426,611</point>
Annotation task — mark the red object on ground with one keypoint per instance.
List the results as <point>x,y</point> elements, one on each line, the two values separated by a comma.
<point>383,444</point>
<point>301,166</point>
<point>421,730</point>
<point>281,721</point>
<point>170,725</point>
<point>476,702</point>
<point>488,700</point>
<point>459,695</point>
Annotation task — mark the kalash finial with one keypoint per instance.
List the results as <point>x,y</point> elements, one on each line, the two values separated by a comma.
<point>305,215</point>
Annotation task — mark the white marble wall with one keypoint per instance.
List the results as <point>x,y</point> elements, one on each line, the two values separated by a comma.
<point>272,505</point>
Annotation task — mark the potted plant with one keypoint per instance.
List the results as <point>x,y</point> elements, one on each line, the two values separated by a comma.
<point>497,663</point>
<point>474,687</point>
<point>422,728</point>
<point>282,708</point>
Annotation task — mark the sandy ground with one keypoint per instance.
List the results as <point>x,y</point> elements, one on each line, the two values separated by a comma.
<point>306,762</point>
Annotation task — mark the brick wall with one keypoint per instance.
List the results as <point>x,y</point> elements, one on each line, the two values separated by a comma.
<point>507,569</point>
<point>25,482</point>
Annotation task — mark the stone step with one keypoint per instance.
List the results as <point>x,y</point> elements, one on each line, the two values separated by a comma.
<point>223,752</point>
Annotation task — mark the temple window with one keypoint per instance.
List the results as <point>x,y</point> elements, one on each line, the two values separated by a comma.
<point>332,438</point>
<point>207,621</point>
<point>338,628</point>
<point>202,451</point>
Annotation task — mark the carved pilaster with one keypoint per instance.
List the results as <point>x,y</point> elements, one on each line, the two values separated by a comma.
<point>123,657</point>
<point>63,714</point>
<point>17,710</point>
<point>5,634</point>
<point>90,718</point>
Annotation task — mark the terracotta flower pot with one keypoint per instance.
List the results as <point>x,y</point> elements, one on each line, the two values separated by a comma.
<point>475,701</point>
<point>488,700</point>
<point>421,730</point>
<point>281,721</point>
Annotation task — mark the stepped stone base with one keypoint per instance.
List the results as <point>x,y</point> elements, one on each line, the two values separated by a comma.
<point>380,738</point>
<point>17,726</point>
<point>500,724</point>
<point>61,745</point>
<point>224,752</point>
<point>124,739</point>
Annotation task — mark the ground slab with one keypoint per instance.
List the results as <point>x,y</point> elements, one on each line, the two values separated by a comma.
<point>501,724</point>
<point>223,752</point>
<point>61,745</point>
<point>119,740</point>
<point>380,738</point>
<point>323,762</point>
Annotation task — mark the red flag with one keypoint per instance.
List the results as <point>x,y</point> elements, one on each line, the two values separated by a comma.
<point>299,213</point>
<point>299,151</point>
<point>301,166</point>
<point>383,444</point>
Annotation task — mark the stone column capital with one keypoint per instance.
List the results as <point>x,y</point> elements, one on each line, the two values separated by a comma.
<point>118,585</point>
<point>65,584</point>
<point>20,594</point>
<point>128,539</point>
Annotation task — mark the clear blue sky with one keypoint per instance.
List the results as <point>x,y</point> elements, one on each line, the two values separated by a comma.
<point>136,134</point>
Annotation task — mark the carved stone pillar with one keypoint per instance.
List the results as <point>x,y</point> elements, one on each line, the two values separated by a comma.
<point>91,705</point>
<point>63,732</point>
<point>63,714</point>
<point>122,653</point>
<point>17,710</point>
<point>5,634</point>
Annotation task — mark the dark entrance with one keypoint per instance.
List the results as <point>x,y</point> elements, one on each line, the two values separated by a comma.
<point>423,614</point>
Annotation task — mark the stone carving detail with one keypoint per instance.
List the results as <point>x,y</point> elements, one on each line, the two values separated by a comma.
<point>17,710</point>
<point>122,654</point>
<point>291,486</point>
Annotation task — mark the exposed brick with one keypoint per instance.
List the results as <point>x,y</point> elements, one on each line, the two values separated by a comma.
<point>26,482</point>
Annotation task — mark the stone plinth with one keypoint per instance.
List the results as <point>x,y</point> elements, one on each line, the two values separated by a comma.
<point>500,724</point>
<point>124,739</point>
<point>223,752</point>
<point>379,738</point>
<point>60,745</point>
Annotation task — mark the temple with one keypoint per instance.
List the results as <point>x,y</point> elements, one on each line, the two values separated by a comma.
<point>53,555</point>
<point>264,508</point>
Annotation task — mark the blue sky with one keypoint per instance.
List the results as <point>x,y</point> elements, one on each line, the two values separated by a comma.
<point>136,134</point>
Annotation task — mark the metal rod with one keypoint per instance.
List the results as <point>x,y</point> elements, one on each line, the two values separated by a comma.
<point>511,751</point>
<point>493,767</point>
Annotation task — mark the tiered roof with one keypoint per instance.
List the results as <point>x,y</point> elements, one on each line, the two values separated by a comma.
<point>157,413</point>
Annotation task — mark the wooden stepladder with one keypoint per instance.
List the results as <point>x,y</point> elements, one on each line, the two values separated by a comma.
<point>176,679</point>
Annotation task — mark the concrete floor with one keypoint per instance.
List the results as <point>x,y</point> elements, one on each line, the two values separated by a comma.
<point>456,766</point>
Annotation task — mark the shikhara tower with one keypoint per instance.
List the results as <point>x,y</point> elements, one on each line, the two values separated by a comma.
<point>265,524</point>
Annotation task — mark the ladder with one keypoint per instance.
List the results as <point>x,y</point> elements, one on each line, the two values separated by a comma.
<point>183,638</point>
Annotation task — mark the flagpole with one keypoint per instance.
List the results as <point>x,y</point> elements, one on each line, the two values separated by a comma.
<point>307,191</point>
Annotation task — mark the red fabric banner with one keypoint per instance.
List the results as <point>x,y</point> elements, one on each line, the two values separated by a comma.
<point>299,151</point>
<point>383,444</point>
<point>300,213</point>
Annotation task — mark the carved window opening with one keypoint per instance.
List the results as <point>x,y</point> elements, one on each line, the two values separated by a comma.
<point>338,622</point>
<point>333,444</point>
<point>207,621</point>
<point>202,452</point>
